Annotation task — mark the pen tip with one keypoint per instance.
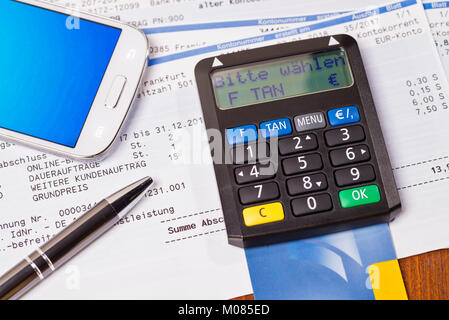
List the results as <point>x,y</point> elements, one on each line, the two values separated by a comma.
<point>143,183</point>
<point>129,195</point>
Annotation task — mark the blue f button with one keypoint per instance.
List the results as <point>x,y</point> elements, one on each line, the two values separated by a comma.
<point>243,134</point>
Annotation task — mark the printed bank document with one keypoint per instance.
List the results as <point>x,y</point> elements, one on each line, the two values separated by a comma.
<point>196,14</point>
<point>411,103</point>
<point>438,15</point>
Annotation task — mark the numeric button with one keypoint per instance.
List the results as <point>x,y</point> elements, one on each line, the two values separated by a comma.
<point>250,153</point>
<point>258,193</point>
<point>337,137</point>
<point>312,204</point>
<point>255,172</point>
<point>305,184</point>
<point>305,163</point>
<point>302,143</point>
<point>349,155</point>
<point>354,175</point>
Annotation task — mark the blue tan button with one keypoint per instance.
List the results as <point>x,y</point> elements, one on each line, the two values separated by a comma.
<point>265,213</point>
<point>275,128</point>
<point>344,115</point>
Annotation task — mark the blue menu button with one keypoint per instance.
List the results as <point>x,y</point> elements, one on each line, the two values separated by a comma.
<point>241,134</point>
<point>275,128</point>
<point>344,115</point>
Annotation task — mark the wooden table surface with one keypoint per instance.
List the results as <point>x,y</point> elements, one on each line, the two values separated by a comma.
<point>426,276</point>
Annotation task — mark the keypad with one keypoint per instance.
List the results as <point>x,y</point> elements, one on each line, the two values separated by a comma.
<point>303,165</point>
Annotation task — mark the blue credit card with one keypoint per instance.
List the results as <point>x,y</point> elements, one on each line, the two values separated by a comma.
<point>333,266</point>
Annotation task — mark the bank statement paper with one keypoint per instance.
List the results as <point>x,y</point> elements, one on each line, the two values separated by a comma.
<point>163,132</point>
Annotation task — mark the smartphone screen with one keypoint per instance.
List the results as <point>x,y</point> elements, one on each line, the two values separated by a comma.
<point>51,67</point>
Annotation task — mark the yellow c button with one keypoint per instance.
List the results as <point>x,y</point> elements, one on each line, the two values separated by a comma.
<point>264,213</point>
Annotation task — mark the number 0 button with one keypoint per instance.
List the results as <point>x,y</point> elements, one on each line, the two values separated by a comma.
<point>312,204</point>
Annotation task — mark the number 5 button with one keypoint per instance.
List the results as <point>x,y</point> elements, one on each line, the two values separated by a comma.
<point>308,162</point>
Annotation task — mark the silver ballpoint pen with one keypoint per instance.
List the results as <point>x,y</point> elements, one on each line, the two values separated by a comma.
<point>77,236</point>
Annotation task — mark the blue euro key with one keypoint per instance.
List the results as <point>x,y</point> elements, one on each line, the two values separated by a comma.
<point>243,134</point>
<point>344,115</point>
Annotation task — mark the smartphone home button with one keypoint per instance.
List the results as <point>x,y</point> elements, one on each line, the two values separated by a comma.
<point>115,92</point>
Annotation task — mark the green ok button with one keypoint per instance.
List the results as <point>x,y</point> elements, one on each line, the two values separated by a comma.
<point>359,196</point>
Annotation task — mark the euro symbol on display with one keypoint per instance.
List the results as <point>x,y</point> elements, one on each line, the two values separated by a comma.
<point>333,80</point>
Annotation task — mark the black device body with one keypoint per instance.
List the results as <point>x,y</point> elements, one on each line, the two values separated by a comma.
<point>334,218</point>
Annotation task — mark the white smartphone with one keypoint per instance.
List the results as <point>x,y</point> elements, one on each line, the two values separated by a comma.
<point>67,79</point>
